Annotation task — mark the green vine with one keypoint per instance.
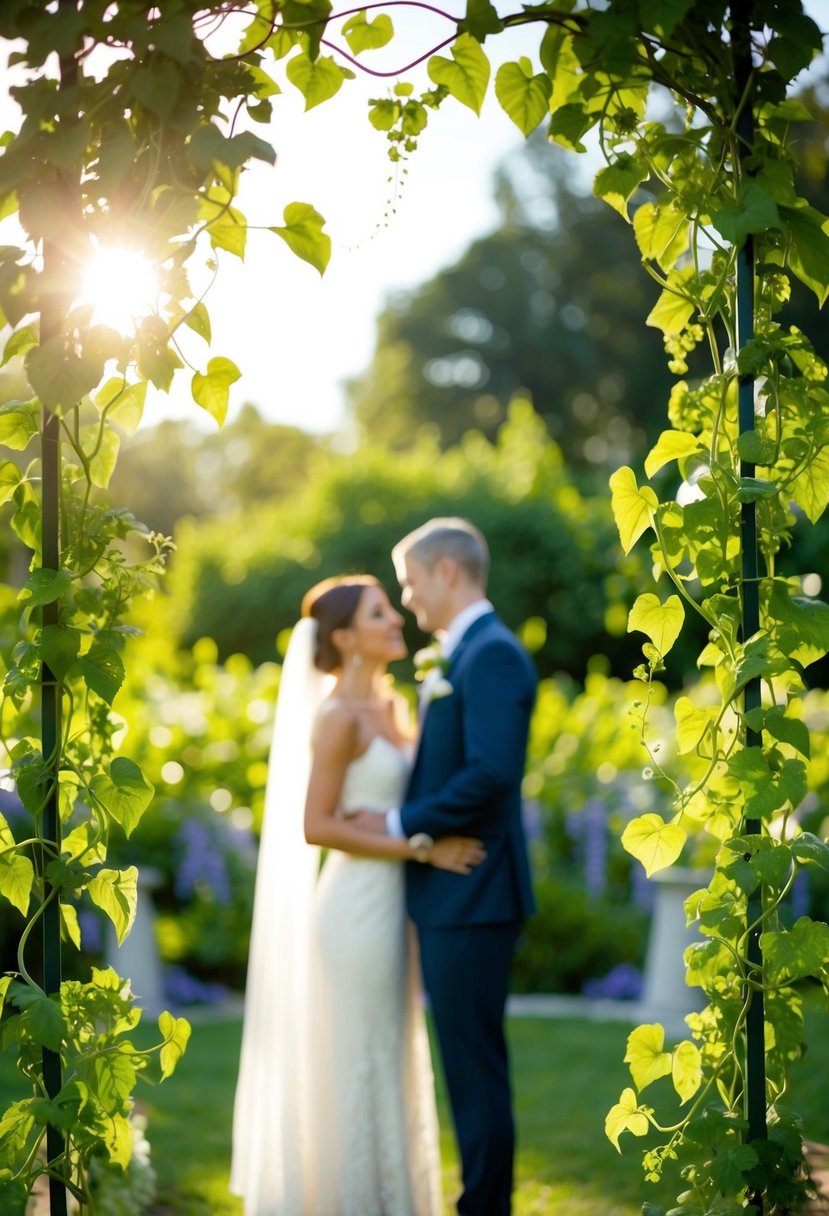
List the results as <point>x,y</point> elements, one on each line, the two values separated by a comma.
<point>698,194</point>
<point>137,141</point>
<point>133,140</point>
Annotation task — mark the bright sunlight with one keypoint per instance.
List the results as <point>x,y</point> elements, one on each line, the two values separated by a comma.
<point>121,285</point>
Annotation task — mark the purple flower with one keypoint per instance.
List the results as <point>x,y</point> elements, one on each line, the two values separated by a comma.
<point>595,847</point>
<point>622,983</point>
<point>202,862</point>
<point>182,988</point>
<point>642,889</point>
<point>11,808</point>
<point>799,895</point>
<point>587,829</point>
<point>532,818</point>
<point>90,925</point>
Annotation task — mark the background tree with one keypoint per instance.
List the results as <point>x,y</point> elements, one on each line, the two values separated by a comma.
<point>552,303</point>
<point>241,578</point>
<point>175,469</point>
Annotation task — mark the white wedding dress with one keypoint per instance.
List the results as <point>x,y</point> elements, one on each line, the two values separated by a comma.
<point>348,1127</point>
<point>373,1090</point>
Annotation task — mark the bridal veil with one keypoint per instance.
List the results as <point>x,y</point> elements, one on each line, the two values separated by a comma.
<point>271,1134</point>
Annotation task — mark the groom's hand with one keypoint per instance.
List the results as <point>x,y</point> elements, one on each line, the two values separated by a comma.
<point>368,821</point>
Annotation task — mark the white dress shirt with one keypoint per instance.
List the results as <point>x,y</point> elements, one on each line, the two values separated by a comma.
<point>449,640</point>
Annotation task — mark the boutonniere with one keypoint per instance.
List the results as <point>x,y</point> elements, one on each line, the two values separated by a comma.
<point>430,658</point>
<point>431,666</point>
<point>440,687</point>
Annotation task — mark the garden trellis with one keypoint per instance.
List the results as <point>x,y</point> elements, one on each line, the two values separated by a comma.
<point>51,320</point>
<point>151,150</point>
<point>755,1070</point>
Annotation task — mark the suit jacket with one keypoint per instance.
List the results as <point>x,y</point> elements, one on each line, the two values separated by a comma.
<point>466,780</point>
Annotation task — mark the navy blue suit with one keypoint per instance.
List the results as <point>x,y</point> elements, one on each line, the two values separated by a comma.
<point>466,780</point>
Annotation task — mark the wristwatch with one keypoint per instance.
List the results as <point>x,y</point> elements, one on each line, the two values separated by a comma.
<point>421,845</point>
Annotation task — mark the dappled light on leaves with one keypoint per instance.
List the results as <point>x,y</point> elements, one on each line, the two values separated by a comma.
<point>153,139</point>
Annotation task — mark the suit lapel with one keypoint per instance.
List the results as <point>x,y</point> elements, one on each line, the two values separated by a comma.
<point>474,628</point>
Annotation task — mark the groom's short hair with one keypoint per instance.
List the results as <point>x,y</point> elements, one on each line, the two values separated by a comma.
<point>450,537</point>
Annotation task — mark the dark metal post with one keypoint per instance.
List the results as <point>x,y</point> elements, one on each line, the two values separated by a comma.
<point>51,326</point>
<point>50,732</point>
<point>755,1070</point>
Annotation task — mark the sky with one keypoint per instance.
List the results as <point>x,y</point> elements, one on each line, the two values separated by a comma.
<point>297,337</point>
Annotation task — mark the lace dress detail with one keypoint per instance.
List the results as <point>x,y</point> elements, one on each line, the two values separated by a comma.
<point>372,1105</point>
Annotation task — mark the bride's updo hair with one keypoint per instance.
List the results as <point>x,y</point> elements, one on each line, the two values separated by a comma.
<point>332,604</point>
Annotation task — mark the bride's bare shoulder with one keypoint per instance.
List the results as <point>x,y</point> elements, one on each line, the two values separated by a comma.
<point>336,724</point>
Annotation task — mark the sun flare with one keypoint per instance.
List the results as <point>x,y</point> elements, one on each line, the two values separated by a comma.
<point>121,285</point>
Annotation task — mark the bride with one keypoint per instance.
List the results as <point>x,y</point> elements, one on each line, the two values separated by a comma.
<point>335,1108</point>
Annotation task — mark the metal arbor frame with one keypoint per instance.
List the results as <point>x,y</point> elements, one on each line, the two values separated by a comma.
<point>54,307</point>
<point>51,326</point>
<point>755,1063</point>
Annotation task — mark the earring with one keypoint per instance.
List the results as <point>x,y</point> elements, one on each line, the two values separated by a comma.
<point>357,660</point>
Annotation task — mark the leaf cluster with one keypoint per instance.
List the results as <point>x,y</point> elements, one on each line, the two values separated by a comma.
<point>129,136</point>
<point>88,1027</point>
<point>709,198</point>
<point>701,196</point>
<point>147,151</point>
<point>134,133</point>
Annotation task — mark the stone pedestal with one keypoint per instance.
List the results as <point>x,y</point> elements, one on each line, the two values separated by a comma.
<point>137,958</point>
<point>666,997</point>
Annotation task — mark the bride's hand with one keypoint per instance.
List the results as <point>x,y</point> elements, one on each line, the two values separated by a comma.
<point>460,854</point>
<point>367,821</point>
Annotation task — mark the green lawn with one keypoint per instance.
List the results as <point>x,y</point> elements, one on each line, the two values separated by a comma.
<point>567,1073</point>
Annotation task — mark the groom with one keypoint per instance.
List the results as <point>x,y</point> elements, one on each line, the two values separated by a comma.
<point>466,780</point>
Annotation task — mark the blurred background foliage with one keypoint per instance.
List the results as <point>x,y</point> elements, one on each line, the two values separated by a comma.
<point>505,389</point>
<point>239,578</point>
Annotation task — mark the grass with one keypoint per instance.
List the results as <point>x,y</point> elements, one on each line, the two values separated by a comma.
<point>566,1075</point>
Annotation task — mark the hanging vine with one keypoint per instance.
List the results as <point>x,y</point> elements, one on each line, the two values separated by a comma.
<point>132,142</point>
<point>138,141</point>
